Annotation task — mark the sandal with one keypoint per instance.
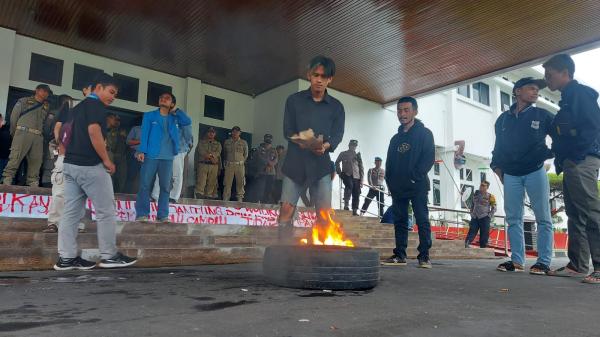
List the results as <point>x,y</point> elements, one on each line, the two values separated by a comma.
<point>539,269</point>
<point>593,278</point>
<point>509,266</point>
<point>565,271</point>
<point>51,228</point>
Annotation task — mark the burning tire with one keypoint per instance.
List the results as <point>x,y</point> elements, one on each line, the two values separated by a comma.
<point>321,267</point>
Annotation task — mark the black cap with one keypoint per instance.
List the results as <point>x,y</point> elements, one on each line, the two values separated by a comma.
<point>268,138</point>
<point>353,142</point>
<point>378,159</point>
<point>44,87</point>
<point>236,128</point>
<point>541,84</point>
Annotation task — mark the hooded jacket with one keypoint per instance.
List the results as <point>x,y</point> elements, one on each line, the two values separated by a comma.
<point>576,127</point>
<point>152,131</point>
<point>520,146</point>
<point>410,157</point>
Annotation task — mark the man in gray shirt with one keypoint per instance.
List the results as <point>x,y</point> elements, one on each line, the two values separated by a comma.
<point>351,172</point>
<point>482,211</point>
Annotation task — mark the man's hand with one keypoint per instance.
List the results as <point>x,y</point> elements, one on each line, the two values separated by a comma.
<point>140,157</point>
<point>500,174</point>
<point>110,167</point>
<point>321,150</point>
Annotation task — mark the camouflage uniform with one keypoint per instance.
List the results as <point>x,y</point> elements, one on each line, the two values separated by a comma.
<point>28,140</point>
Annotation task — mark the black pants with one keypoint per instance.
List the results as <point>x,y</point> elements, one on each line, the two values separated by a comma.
<point>421,212</point>
<point>260,189</point>
<point>276,192</point>
<point>373,193</point>
<point>351,187</point>
<point>483,226</point>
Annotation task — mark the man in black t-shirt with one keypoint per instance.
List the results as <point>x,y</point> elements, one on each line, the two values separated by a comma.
<point>87,170</point>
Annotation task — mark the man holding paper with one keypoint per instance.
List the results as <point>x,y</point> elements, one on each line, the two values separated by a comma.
<point>314,126</point>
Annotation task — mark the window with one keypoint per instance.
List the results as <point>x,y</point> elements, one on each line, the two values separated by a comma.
<point>128,87</point>
<point>214,107</point>
<point>464,91</point>
<point>462,174</point>
<point>45,69</point>
<point>482,176</point>
<point>481,93</point>
<point>83,75</point>
<point>469,175</point>
<point>436,169</point>
<point>466,199</point>
<point>154,92</point>
<point>504,101</point>
<point>437,194</point>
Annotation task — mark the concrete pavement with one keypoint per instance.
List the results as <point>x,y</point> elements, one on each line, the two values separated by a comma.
<point>455,298</point>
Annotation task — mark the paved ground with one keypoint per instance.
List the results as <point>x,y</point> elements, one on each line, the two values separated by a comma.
<point>455,298</point>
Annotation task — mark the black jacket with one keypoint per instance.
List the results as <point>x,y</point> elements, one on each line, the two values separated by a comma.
<point>407,178</point>
<point>520,146</point>
<point>325,118</point>
<point>576,127</point>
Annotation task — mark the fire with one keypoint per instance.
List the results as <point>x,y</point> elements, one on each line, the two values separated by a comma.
<point>328,232</point>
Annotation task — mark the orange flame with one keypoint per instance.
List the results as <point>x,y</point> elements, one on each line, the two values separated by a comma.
<point>328,232</point>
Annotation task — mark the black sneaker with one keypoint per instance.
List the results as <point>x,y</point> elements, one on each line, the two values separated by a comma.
<point>74,263</point>
<point>425,263</point>
<point>117,261</point>
<point>539,269</point>
<point>394,261</point>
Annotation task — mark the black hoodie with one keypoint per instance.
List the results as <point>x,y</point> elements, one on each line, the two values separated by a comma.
<point>410,157</point>
<point>576,127</point>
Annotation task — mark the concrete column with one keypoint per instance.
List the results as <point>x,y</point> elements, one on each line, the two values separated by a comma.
<point>7,41</point>
<point>193,105</point>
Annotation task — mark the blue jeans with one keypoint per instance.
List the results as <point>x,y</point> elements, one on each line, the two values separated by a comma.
<point>320,192</point>
<point>538,190</point>
<point>150,167</point>
<point>401,226</point>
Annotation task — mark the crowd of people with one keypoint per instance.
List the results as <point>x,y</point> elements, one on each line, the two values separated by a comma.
<point>93,157</point>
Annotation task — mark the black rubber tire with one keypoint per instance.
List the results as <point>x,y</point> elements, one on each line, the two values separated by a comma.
<point>321,267</point>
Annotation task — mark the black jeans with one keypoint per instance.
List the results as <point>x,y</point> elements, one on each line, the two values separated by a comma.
<point>373,193</point>
<point>421,212</point>
<point>483,226</point>
<point>351,187</point>
<point>260,189</point>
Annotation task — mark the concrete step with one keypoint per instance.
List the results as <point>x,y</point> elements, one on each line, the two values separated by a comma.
<point>41,259</point>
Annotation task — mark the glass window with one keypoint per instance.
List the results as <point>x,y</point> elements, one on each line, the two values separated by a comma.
<point>469,175</point>
<point>45,69</point>
<point>466,199</point>
<point>481,93</point>
<point>504,101</point>
<point>464,90</point>
<point>482,176</point>
<point>128,87</point>
<point>154,92</point>
<point>214,107</point>
<point>437,194</point>
<point>436,169</point>
<point>84,75</point>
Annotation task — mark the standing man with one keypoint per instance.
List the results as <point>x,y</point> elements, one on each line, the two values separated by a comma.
<point>410,157</point>
<point>65,102</point>
<point>376,179</point>
<point>314,113</point>
<point>186,142</point>
<point>263,182</point>
<point>518,160</point>
<point>116,142</point>
<point>158,146</point>
<point>482,212</point>
<point>87,170</point>
<point>208,159</point>
<point>278,184</point>
<point>26,125</point>
<point>236,153</point>
<point>133,165</point>
<point>576,144</point>
<point>351,172</point>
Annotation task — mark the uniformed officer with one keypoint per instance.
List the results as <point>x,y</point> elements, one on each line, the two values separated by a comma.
<point>236,153</point>
<point>26,127</point>
<point>208,159</point>
<point>351,172</point>
<point>116,143</point>
<point>263,183</point>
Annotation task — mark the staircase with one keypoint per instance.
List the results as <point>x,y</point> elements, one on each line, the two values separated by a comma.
<point>24,247</point>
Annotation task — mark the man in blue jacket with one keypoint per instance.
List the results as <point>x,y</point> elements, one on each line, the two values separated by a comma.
<point>159,144</point>
<point>410,157</point>
<point>518,160</point>
<point>576,144</point>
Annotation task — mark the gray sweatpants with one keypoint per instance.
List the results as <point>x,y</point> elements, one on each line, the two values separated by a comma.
<point>580,186</point>
<point>82,182</point>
